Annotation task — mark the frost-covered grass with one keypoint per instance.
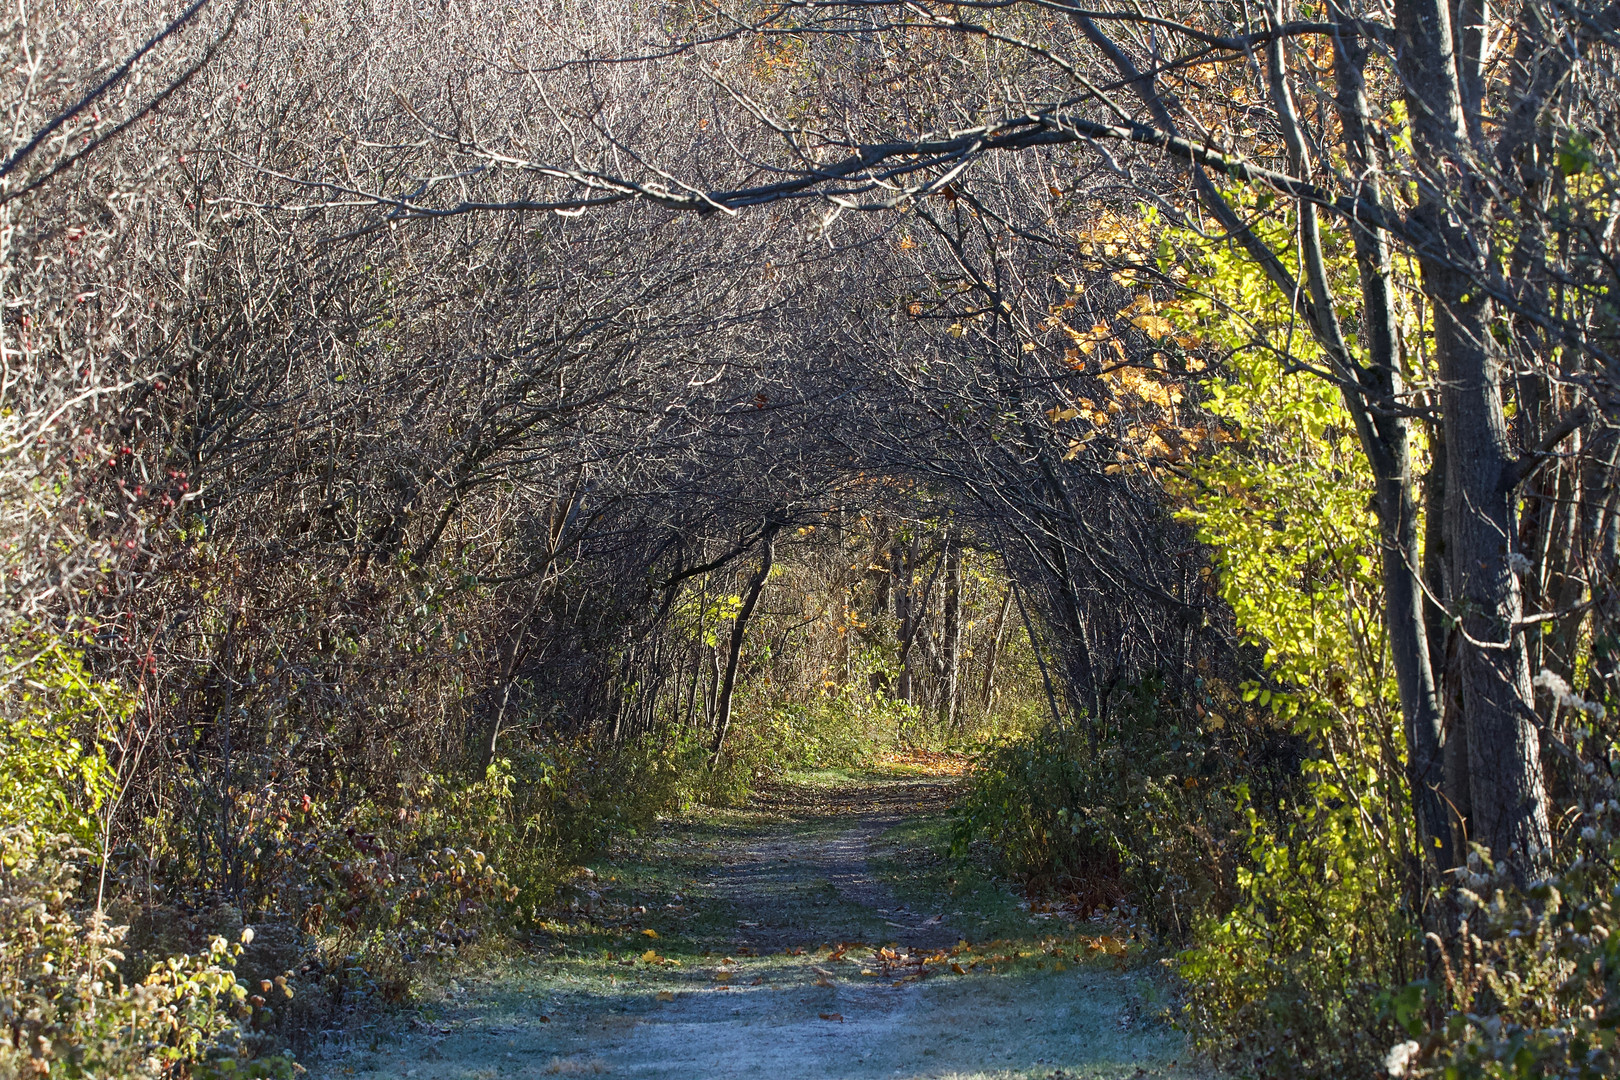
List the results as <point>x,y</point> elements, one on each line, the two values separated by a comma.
<point>746,943</point>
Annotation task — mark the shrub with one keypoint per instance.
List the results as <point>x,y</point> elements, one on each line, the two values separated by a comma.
<point>65,1009</point>
<point>1288,979</point>
<point>1130,810</point>
<point>1531,983</point>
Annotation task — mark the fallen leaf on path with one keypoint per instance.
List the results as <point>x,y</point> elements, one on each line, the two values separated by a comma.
<point>934,920</point>
<point>665,995</point>
<point>832,1016</point>
<point>958,968</point>
<point>722,976</point>
<point>651,957</point>
<point>651,933</point>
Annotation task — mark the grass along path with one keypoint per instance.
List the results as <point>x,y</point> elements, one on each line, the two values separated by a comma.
<point>818,933</point>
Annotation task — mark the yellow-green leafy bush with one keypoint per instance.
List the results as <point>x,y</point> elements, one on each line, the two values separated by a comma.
<point>1288,981</point>
<point>65,1011</point>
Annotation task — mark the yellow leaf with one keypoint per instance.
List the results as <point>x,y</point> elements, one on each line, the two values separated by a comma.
<point>665,995</point>
<point>650,956</point>
<point>1155,325</point>
<point>651,933</point>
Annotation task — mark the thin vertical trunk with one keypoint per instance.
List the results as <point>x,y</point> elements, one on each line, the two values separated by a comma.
<point>995,649</point>
<point>492,735</point>
<point>1040,661</point>
<point>697,677</point>
<point>951,632</point>
<point>738,629</point>
<point>917,605</point>
<point>884,575</point>
<point>903,563</point>
<point>1373,396</point>
<point>711,695</point>
<point>1601,558</point>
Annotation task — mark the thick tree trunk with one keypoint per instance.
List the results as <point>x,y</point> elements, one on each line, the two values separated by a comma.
<point>738,629</point>
<point>1504,754</point>
<point>1504,750</point>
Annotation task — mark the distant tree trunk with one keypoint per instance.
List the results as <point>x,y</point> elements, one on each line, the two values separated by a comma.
<point>952,627</point>
<point>903,566</point>
<point>492,734</point>
<point>1040,662</point>
<point>697,677</point>
<point>883,580</point>
<point>738,629</point>
<point>995,649</point>
<point>916,615</point>
<point>1601,529</point>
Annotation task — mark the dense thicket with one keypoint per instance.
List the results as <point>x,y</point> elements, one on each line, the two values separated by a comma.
<point>437,438</point>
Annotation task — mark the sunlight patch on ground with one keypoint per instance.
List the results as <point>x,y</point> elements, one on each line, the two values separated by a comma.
<point>926,763</point>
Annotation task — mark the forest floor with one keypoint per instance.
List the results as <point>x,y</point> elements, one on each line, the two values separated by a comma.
<point>819,932</point>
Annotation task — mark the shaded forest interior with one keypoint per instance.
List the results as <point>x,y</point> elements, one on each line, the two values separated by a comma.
<point>439,440</point>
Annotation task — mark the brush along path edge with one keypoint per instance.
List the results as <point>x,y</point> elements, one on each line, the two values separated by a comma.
<point>815,934</point>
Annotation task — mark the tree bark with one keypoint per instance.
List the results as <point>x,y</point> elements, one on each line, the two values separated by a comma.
<point>1509,803</point>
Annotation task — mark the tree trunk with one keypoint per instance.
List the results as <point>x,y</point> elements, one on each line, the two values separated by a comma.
<point>995,649</point>
<point>492,734</point>
<point>738,629</point>
<point>951,633</point>
<point>1504,752</point>
<point>903,566</point>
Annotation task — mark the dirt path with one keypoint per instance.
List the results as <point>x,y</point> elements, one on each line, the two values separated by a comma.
<point>819,934</point>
